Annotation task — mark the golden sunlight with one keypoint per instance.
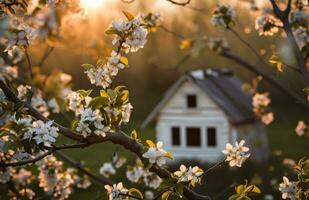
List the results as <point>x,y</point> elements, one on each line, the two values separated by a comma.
<point>91,4</point>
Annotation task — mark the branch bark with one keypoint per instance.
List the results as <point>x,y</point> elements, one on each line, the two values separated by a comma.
<point>229,55</point>
<point>118,137</point>
<point>283,16</point>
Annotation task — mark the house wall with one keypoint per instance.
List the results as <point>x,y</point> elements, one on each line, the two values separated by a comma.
<point>207,114</point>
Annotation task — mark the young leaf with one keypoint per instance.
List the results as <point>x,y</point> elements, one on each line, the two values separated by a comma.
<point>134,134</point>
<point>150,143</point>
<point>128,15</point>
<point>135,192</point>
<point>165,195</point>
<point>124,60</point>
<point>87,66</point>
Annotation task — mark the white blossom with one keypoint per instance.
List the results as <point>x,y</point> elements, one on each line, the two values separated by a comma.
<point>42,132</point>
<point>156,154</point>
<point>149,195</point>
<point>190,174</point>
<point>301,128</point>
<point>53,105</point>
<point>152,180</point>
<point>223,17</point>
<point>267,24</point>
<point>288,189</point>
<point>301,35</point>
<point>135,174</point>
<point>237,154</point>
<point>6,71</point>
<point>115,191</point>
<point>107,169</point>
<point>38,102</point>
<point>102,75</point>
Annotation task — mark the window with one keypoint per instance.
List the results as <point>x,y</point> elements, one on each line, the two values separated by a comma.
<point>191,101</point>
<point>193,135</point>
<point>211,136</point>
<point>175,136</point>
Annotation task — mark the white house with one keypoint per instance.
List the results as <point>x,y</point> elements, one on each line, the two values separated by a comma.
<point>204,110</point>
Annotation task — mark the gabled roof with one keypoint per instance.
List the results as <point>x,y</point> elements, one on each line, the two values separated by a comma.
<point>222,87</point>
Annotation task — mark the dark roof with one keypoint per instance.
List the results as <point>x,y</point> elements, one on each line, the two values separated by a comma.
<point>223,87</point>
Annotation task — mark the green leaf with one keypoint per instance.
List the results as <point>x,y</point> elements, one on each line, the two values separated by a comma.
<point>135,192</point>
<point>84,93</point>
<point>179,188</point>
<point>128,15</point>
<point>103,93</point>
<point>124,60</point>
<point>99,102</point>
<point>112,31</point>
<point>166,183</point>
<point>240,189</point>
<point>134,134</point>
<point>165,195</point>
<point>87,66</point>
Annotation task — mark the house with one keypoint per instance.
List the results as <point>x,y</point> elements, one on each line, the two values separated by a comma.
<point>202,111</point>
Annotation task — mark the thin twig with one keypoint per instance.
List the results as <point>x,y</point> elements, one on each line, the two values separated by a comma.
<point>46,54</point>
<point>217,165</point>
<point>29,62</point>
<point>117,137</point>
<point>247,44</point>
<point>172,32</point>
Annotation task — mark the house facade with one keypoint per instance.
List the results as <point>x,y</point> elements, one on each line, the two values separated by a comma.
<point>204,110</point>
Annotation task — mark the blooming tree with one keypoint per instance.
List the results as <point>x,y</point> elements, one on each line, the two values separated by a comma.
<point>29,134</point>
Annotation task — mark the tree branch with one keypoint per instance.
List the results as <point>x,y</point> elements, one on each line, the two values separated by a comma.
<point>284,18</point>
<point>267,76</point>
<point>118,137</point>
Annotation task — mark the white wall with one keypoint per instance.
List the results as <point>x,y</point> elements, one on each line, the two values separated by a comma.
<point>207,114</point>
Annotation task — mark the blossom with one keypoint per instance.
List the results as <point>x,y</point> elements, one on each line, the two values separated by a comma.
<point>301,128</point>
<point>126,112</point>
<point>42,132</point>
<point>217,44</point>
<point>156,154</point>
<point>115,191</point>
<point>152,180</point>
<point>131,35</point>
<point>22,177</point>
<point>90,118</point>
<point>102,75</point>
<point>135,174</point>
<point>38,102</point>
<point>107,169</point>
<point>267,24</point>
<point>223,17</point>
<point>267,118</point>
<point>77,102</point>
<point>190,174</point>
<point>260,99</point>
<point>301,35</point>
<point>237,154</point>
<point>22,91</point>
<point>288,189</point>
<point>6,71</point>
<point>149,195</point>
<point>53,105</point>
<point>54,179</point>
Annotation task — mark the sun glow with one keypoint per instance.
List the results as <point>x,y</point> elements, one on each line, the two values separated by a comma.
<point>91,4</point>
